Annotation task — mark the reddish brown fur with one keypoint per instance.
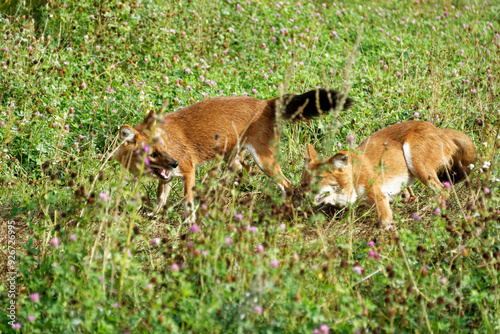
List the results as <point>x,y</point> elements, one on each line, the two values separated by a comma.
<point>220,125</point>
<point>379,166</point>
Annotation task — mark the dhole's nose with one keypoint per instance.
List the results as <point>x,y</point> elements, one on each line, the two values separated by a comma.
<point>175,164</point>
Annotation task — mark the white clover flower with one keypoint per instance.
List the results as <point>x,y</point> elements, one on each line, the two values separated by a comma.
<point>471,166</point>
<point>486,165</point>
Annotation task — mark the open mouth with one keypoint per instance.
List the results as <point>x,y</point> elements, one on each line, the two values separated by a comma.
<point>161,173</point>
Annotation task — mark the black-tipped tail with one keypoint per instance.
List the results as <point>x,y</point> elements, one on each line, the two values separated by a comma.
<point>309,105</point>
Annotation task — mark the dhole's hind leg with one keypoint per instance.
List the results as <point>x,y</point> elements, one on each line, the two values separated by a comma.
<point>408,195</point>
<point>423,169</point>
<point>162,194</point>
<point>428,177</point>
<point>267,163</point>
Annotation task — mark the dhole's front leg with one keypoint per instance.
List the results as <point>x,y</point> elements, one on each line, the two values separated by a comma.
<point>381,204</point>
<point>189,178</point>
<point>162,194</point>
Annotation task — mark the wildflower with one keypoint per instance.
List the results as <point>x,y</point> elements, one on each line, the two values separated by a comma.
<point>446,185</point>
<point>283,226</point>
<point>116,305</point>
<point>486,191</point>
<point>228,241</point>
<point>253,229</point>
<point>35,297</point>
<point>254,91</point>
<point>350,139</point>
<point>424,271</point>
<point>103,196</point>
<point>174,267</point>
<point>16,326</point>
<point>373,255</point>
<point>31,318</point>
<point>187,70</point>
<point>194,229</point>
<point>416,114</point>
<point>260,249</point>
<point>155,242</point>
<point>274,263</point>
<point>257,309</point>
<point>54,242</point>
<point>443,280</point>
<point>437,212</point>
<point>357,269</point>
<point>371,243</point>
<point>72,237</point>
<point>324,329</point>
<point>238,217</point>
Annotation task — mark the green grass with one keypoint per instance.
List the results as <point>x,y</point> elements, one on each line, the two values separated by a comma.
<point>63,98</point>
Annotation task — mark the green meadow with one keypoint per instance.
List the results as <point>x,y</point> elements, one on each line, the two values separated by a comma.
<point>79,249</point>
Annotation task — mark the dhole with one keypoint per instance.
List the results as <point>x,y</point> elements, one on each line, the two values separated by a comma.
<point>388,160</point>
<point>181,140</point>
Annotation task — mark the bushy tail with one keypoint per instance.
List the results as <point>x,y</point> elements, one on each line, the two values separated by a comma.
<point>462,157</point>
<point>308,105</point>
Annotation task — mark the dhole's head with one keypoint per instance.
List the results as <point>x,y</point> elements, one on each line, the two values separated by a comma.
<point>142,145</point>
<point>333,176</point>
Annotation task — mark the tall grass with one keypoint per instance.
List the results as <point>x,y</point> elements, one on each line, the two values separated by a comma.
<point>89,257</point>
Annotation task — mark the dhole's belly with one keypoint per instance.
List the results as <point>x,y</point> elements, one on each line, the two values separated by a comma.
<point>392,187</point>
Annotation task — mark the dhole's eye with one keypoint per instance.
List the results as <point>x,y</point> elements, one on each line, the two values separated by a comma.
<point>154,155</point>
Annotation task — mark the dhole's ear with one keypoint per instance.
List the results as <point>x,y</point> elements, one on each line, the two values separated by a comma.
<point>311,153</point>
<point>339,160</point>
<point>150,120</point>
<point>127,133</point>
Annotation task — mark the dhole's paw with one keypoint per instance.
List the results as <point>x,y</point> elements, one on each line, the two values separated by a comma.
<point>407,196</point>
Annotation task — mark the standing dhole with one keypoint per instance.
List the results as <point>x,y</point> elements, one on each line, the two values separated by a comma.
<point>388,160</point>
<point>181,140</point>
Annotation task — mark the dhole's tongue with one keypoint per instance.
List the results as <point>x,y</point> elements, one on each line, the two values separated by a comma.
<point>163,173</point>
